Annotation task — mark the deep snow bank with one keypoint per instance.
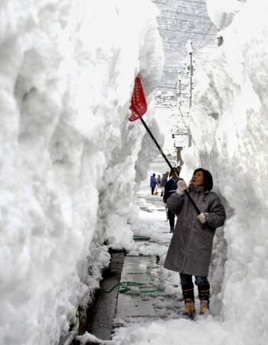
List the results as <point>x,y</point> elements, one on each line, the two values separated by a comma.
<point>68,153</point>
<point>229,128</point>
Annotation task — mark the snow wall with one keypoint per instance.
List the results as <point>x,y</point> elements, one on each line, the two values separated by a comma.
<point>68,152</point>
<point>230,137</point>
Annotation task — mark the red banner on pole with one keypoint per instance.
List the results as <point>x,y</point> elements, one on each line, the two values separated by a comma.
<point>138,105</point>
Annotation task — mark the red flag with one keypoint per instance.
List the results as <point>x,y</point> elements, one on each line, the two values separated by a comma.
<point>138,105</point>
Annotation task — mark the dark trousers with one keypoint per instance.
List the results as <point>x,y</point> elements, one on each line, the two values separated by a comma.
<point>188,288</point>
<point>152,190</point>
<point>171,219</point>
<point>186,279</point>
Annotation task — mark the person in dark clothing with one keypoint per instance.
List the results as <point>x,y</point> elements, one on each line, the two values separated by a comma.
<point>190,248</point>
<point>153,183</point>
<point>170,188</point>
<point>163,182</point>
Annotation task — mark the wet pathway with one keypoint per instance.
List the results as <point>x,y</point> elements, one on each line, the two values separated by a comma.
<point>138,278</point>
<point>146,302</point>
<point>142,290</point>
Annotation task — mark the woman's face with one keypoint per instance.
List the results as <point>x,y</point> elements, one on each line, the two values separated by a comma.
<point>198,179</point>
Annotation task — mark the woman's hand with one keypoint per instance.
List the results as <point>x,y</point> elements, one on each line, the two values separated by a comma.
<point>202,217</point>
<point>181,186</point>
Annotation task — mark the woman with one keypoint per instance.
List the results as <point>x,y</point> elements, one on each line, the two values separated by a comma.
<point>191,245</point>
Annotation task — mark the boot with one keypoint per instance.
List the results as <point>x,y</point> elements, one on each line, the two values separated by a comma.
<point>204,307</point>
<point>189,308</point>
<point>204,299</point>
<point>188,296</point>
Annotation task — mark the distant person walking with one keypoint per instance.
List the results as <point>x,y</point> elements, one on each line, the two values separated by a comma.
<point>163,182</point>
<point>153,183</point>
<point>190,249</point>
<point>170,188</point>
<point>158,181</point>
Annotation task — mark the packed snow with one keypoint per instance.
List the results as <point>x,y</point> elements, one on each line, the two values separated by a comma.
<point>72,163</point>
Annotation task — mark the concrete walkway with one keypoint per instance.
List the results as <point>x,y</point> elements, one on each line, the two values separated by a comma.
<point>145,303</point>
<point>138,279</point>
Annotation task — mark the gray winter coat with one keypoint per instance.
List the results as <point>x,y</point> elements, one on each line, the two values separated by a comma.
<point>191,245</point>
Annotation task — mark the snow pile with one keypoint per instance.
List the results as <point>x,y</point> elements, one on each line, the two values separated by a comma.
<point>70,162</point>
<point>68,153</point>
<point>229,128</point>
<point>222,13</point>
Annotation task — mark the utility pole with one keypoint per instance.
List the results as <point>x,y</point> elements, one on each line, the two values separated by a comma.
<point>178,90</point>
<point>178,148</point>
<point>179,84</point>
<point>190,69</point>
